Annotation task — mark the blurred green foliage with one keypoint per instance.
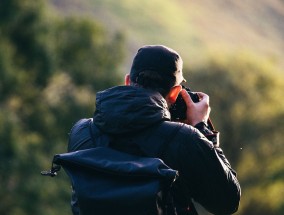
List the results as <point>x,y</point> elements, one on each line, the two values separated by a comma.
<point>50,68</point>
<point>247,108</point>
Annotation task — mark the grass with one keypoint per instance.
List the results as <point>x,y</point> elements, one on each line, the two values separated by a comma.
<point>194,27</point>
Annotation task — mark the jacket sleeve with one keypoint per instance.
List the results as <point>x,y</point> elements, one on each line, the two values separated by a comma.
<point>206,172</point>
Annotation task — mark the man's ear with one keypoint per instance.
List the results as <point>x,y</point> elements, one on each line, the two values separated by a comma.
<point>173,94</point>
<point>127,79</point>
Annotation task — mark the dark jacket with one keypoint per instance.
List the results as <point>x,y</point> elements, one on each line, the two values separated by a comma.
<point>133,116</point>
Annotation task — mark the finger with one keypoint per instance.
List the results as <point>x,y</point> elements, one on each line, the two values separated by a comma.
<point>186,97</point>
<point>203,96</point>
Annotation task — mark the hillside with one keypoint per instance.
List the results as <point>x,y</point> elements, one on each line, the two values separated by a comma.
<point>193,28</point>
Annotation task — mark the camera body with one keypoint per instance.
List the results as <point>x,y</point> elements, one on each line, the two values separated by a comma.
<point>178,109</point>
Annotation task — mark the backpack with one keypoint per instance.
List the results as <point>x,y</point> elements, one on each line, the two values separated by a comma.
<point>107,181</point>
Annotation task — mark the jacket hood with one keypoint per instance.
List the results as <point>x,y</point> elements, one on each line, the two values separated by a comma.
<point>126,109</point>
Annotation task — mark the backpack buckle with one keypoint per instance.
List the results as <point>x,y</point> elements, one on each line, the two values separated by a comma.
<point>52,172</point>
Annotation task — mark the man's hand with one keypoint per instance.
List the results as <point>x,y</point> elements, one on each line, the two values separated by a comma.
<point>196,112</point>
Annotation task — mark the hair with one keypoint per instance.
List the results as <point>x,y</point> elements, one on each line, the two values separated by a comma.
<point>153,80</point>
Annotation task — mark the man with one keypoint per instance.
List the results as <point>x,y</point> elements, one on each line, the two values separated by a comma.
<point>137,117</point>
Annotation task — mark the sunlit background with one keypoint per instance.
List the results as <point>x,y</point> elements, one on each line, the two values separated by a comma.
<point>56,54</point>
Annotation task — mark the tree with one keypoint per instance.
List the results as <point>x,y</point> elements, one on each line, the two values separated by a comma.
<point>50,68</point>
<point>245,96</point>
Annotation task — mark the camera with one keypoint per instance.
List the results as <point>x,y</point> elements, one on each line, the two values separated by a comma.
<point>178,109</point>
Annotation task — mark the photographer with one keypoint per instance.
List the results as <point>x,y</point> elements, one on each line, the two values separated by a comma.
<point>137,118</point>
